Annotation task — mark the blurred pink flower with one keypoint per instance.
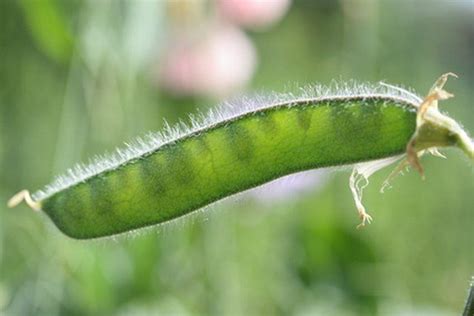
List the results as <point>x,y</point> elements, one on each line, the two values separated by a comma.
<point>217,64</point>
<point>254,14</point>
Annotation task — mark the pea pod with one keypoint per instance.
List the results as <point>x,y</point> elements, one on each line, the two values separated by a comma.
<point>166,177</point>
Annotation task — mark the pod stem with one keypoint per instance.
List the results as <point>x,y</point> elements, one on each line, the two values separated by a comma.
<point>434,129</point>
<point>469,307</point>
<point>467,145</point>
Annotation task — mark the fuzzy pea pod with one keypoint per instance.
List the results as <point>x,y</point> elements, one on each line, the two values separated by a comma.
<point>165,177</point>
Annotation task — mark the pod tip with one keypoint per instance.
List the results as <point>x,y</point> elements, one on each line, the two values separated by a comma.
<point>24,195</point>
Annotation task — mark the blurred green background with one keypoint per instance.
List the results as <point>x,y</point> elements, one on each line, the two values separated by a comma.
<point>78,78</point>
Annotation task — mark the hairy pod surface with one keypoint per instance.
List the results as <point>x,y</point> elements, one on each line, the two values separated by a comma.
<point>225,153</point>
<point>232,156</point>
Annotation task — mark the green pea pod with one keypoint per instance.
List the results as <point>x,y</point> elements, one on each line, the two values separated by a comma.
<point>167,177</point>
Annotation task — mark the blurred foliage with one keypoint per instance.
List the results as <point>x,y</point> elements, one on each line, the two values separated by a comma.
<point>48,28</point>
<point>74,84</point>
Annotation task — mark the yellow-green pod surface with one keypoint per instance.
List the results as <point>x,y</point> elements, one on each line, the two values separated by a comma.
<point>231,156</point>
